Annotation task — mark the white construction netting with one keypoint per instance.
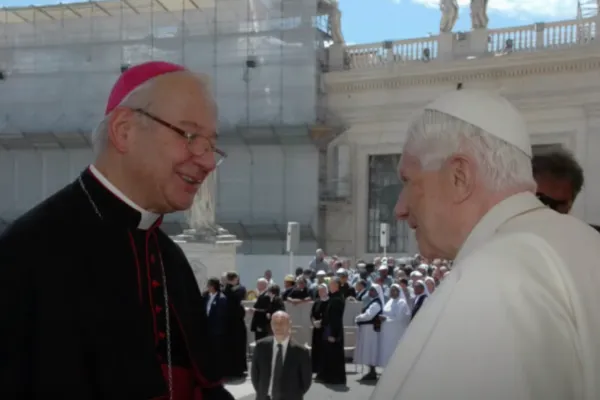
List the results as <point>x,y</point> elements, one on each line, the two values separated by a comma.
<point>60,61</point>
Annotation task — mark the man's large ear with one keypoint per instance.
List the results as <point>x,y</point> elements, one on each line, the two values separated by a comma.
<point>120,124</point>
<point>459,175</point>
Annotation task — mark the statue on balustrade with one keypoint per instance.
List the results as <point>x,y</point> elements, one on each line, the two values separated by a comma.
<point>449,9</point>
<point>334,24</point>
<point>479,18</point>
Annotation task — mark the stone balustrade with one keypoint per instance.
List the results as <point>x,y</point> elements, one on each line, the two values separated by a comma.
<point>527,38</point>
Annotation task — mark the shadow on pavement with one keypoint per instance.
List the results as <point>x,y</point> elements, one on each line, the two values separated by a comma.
<point>337,388</point>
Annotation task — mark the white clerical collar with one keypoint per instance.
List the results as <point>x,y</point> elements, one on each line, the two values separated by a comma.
<point>147,218</point>
<point>517,204</point>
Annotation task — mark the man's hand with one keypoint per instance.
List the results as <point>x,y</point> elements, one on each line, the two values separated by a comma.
<point>317,324</point>
<point>331,339</point>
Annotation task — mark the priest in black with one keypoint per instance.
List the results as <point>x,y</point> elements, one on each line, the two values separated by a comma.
<point>333,361</point>
<point>97,301</point>
<point>236,338</point>
<point>316,318</point>
<point>260,323</point>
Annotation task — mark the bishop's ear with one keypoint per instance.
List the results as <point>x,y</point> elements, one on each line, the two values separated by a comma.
<point>459,174</point>
<point>120,125</point>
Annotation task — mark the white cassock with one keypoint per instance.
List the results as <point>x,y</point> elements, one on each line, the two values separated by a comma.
<point>397,314</point>
<point>367,343</point>
<point>517,318</point>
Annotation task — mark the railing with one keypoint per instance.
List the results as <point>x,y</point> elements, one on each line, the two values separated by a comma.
<point>374,54</point>
<point>534,37</point>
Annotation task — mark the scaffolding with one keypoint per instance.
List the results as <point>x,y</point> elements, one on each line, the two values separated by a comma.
<point>586,29</point>
<point>265,60</point>
<point>587,8</point>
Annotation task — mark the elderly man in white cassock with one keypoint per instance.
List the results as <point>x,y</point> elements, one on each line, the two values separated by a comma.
<point>369,333</point>
<point>533,332</point>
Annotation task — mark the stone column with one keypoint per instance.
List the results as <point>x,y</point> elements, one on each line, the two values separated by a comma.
<point>446,46</point>
<point>201,216</point>
<point>336,56</point>
<point>210,249</point>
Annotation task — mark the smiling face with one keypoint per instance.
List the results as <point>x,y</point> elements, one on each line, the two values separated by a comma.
<point>167,168</point>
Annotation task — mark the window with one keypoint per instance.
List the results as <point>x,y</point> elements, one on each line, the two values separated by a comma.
<point>384,188</point>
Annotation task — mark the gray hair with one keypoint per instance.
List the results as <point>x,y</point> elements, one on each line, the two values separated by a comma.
<point>436,136</point>
<point>137,98</point>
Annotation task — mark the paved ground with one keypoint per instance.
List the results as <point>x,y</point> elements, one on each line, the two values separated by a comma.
<point>318,391</point>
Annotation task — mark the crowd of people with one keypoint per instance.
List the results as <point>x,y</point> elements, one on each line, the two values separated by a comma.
<point>390,292</point>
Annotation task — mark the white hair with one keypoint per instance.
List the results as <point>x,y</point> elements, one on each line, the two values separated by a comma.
<point>137,98</point>
<point>435,136</point>
<point>140,97</point>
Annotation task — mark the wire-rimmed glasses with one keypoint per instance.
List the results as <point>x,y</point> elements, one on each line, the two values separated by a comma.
<point>197,144</point>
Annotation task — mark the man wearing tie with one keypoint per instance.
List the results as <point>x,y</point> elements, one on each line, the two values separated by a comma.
<point>281,368</point>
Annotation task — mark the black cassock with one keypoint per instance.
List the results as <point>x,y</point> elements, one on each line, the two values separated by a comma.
<point>236,337</point>
<point>260,322</point>
<point>83,308</point>
<point>317,313</point>
<point>333,361</point>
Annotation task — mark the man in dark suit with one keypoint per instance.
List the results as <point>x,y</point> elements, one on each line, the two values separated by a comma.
<point>420,297</point>
<point>215,304</point>
<point>215,307</point>
<point>281,368</point>
<point>260,322</point>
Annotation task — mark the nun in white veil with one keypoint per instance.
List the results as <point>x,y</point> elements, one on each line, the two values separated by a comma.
<point>397,317</point>
<point>429,285</point>
<point>369,333</point>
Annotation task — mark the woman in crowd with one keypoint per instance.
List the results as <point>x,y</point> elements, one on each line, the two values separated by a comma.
<point>396,314</point>
<point>367,351</point>
<point>276,303</point>
<point>430,285</point>
<point>316,318</point>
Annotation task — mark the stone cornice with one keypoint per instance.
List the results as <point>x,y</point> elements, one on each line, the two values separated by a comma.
<point>514,65</point>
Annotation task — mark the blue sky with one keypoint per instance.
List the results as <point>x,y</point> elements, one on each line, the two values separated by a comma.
<point>367,21</point>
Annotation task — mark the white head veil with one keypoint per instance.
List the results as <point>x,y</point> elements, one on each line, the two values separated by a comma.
<point>379,291</point>
<point>429,279</point>
<point>422,283</point>
<point>324,286</point>
<point>401,295</point>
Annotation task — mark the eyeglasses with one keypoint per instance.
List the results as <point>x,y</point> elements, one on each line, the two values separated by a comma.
<point>197,144</point>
